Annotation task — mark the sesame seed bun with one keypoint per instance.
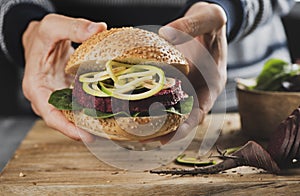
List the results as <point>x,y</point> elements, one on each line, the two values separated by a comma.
<point>126,128</point>
<point>128,45</point>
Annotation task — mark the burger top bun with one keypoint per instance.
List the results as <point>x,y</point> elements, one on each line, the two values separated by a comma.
<point>128,45</point>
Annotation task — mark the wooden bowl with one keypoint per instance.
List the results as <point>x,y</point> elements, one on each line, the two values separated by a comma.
<point>262,111</point>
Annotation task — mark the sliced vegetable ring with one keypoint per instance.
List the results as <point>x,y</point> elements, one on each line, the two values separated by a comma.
<point>120,80</point>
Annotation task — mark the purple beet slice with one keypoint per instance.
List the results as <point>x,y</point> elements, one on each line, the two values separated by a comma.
<point>297,156</point>
<point>295,147</point>
<point>251,154</point>
<point>279,142</point>
<point>291,129</point>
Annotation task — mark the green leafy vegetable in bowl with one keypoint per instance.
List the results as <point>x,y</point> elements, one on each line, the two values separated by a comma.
<point>276,75</point>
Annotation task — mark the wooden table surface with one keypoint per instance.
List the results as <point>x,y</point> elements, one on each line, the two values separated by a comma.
<point>49,163</point>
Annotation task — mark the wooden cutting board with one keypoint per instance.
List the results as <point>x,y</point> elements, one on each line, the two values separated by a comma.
<point>47,162</point>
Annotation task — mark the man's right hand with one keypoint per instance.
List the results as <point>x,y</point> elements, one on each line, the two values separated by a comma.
<point>47,45</point>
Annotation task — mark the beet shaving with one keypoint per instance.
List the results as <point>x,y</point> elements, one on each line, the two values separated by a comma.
<point>283,149</point>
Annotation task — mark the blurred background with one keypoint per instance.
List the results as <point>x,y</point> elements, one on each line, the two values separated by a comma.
<point>15,109</point>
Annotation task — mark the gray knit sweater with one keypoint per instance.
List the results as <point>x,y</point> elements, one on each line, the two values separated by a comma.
<point>261,37</point>
<point>6,5</point>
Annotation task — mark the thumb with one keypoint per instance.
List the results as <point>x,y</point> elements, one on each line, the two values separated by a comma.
<point>185,29</point>
<point>195,23</point>
<point>59,27</point>
<point>174,33</point>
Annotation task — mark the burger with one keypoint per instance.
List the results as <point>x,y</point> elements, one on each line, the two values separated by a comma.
<point>121,89</point>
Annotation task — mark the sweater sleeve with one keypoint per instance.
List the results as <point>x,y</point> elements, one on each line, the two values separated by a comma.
<point>244,16</point>
<point>15,16</point>
<point>259,12</point>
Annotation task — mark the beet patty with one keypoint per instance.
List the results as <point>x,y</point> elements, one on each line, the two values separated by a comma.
<point>168,97</point>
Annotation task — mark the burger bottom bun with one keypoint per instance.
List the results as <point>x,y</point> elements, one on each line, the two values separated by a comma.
<point>127,128</point>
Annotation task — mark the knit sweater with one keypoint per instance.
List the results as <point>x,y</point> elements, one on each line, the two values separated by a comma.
<point>254,31</point>
<point>255,34</point>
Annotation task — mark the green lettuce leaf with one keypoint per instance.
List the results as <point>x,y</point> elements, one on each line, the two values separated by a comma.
<point>62,100</point>
<point>274,72</point>
<point>186,107</point>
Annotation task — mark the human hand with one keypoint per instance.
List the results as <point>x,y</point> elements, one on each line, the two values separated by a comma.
<point>205,23</point>
<point>47,47</point>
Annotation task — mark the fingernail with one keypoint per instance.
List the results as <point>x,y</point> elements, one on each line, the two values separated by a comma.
<point>168,33</point>
<point>103,24</point>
